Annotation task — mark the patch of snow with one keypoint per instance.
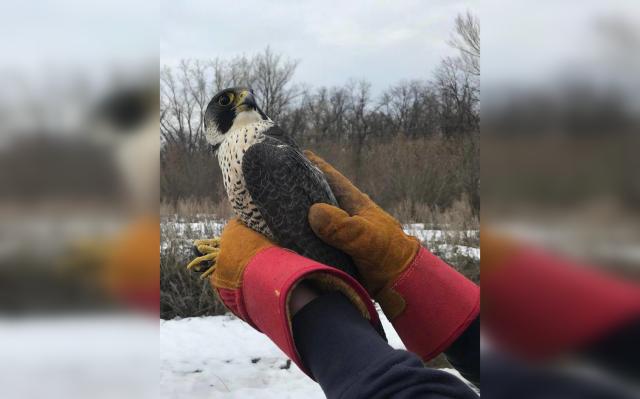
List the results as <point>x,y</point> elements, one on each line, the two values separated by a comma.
<point>79,356</point>
<point>223,357</point>
<point>180,232</point>
<point>448,250</point>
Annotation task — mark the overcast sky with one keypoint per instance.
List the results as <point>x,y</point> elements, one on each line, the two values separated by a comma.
<point>553,38</point>
<point>381,41</point>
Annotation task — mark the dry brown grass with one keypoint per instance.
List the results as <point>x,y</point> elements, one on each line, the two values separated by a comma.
<point>458,216</point>
<point>183,293</point>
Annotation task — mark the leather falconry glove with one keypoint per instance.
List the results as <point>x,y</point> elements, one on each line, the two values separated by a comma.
<point>255,279</point>
<point>539,305</point>
<point>429,303</point>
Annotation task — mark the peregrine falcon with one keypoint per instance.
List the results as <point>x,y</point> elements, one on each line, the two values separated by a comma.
<point>271,185</point>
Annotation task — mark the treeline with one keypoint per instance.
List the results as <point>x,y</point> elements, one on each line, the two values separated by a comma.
<point>414,147</point>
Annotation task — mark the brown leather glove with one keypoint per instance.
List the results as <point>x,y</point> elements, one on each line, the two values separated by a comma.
<point>428,302</point>
<point>238,244</point>
<point>372,237</point>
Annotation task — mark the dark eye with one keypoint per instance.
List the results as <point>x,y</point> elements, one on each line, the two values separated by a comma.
<point>225,99</point>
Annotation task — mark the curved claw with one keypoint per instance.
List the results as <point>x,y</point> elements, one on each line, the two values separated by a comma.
<point>209,249</point>
<point>208,272</point>
<point>205,258</point>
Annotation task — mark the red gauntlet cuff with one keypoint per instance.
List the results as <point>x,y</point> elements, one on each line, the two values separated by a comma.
<point>440,303</point>
<point>539,305</point>
<point>267,282</point>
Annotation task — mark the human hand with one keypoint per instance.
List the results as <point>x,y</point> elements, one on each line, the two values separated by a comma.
<point>363,230</point>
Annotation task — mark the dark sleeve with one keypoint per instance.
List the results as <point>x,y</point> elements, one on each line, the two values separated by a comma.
<point>349,359</point>
<point>507,378</point>
<point>618,352</point>
<point>464,353</point>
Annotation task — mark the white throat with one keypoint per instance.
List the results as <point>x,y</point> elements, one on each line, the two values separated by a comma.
<point>245,118</point>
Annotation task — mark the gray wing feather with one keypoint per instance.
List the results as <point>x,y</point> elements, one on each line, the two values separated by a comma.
<point>279,134</point>
<point>283,185</point>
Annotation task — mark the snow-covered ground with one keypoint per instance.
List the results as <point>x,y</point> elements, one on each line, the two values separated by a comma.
<point>222,357</point>
<point>96,356</point>
<point>116,356</point>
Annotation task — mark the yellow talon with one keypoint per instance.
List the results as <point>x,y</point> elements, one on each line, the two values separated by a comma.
<point>208,272</point>
<point>212,242</point>
<point>209,249</point>
<point>206,249</point>
<point>200,259</point>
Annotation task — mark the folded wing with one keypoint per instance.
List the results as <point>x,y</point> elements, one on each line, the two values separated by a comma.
<point>283,185</point>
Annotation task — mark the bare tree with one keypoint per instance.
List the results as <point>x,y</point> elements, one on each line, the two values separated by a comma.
<point>457,80</point>
<point>272,82</point>
<point>358,122</point>
<point>410,105</point>
<point>346,123</point>
<point>458,99</point>
<point>466,39</point>
<point>175,105</point>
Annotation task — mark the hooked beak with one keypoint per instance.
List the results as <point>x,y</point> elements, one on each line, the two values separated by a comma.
<point>245,101</point>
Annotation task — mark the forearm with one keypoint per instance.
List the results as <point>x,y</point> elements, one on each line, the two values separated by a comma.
<point>464,353</point>
<point>617,351</point>
<point>348,358</point>
<point>431,305</point>
<point>541,306</point>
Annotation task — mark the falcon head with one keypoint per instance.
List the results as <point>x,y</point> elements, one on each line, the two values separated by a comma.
<point>228,110</point>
